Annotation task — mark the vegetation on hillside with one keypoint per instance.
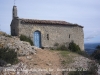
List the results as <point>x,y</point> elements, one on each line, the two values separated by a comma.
<point>8,56</point>
<point>96,53</point>
<point>27,39</point>
<point>67,57</point>
<point>73,47</point>
<point>92,70</point>
<point>68,54</point>
<point>98,47</point>
<point>62,47</point>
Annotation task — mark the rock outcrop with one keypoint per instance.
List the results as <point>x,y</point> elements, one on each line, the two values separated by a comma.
<point>12,42</point>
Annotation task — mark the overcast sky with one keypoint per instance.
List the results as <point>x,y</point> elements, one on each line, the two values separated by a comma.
<point>82,12</point>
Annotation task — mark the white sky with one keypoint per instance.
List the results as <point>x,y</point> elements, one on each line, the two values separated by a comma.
<point>82,12</point>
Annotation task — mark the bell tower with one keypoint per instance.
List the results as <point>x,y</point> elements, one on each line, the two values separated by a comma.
<point>14,12</point>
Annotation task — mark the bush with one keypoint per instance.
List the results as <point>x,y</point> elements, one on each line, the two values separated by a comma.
<point>76,73</point>
<point>98,47</point>
<point>24,38</point>
<point>81,73</point>
<point>8,55</point>
<point>56,44</point>
<point>92,70</point>
<point>73,47</point>
<point>96,54</point>
<point>61,47</point>
<point>83,53</point>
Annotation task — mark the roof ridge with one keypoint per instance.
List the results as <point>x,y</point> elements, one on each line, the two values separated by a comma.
<point>38,21</point>
<point>42,20</point>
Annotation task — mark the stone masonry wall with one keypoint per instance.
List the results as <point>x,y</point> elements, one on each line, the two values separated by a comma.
<point>57,34</point>
<point>14,27</point>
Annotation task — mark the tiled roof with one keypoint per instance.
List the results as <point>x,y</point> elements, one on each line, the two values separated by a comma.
<point>34,21</point>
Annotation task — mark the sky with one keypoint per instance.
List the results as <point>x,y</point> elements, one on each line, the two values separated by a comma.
<point>82,12</point>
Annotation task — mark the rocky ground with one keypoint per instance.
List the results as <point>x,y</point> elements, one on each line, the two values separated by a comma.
<point>35,61</point>
<point>44,62</point>
<point>22,47</point>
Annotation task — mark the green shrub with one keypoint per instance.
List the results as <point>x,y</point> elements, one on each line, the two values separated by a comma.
<point>62,47</point>
<point>73,47</point>
<point>80,73</point>
<point>59,47</point>
<point>8,55</point>
<point>83,53</point>
<point>92,70</point>
<point>98,47</point>
<point>75,73</point>
<point>63,62</point>
<point>96,54</point>
<point>56,44</point>
<point>27,39</point>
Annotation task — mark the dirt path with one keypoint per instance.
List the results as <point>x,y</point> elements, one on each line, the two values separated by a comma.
<point>44,60</point>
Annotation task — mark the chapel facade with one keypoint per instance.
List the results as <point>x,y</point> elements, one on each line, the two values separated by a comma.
<point>46,33</point>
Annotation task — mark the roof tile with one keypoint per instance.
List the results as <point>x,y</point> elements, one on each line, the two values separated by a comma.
<point>33,21</point>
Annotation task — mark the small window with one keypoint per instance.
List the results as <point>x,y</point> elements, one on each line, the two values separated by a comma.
<point>47,36</point>
<point>69,35</point>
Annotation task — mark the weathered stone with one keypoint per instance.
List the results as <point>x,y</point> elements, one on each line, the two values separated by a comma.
<point>8,65</point>
<point>22,47</point>
<point>18,69</point>
<point>29,57</point>
<point>49,64</point>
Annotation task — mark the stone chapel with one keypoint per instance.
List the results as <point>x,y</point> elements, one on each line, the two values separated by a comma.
<point>46,33</point>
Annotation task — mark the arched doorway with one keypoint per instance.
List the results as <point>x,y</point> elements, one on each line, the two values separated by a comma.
<point>37,38</point>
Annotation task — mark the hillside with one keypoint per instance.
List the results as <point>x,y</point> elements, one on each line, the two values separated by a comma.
<point>38,61</point>
<point>90,47</point>
<point>49,62</point>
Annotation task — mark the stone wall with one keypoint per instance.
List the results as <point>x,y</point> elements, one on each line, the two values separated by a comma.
<point>14,26</point>
<point>57,33</point>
